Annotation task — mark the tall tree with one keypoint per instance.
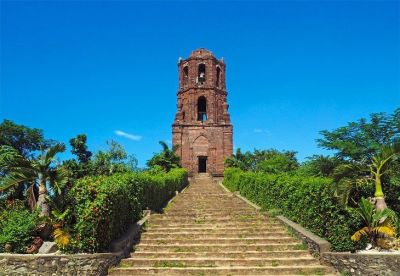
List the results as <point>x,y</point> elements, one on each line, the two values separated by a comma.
<point>114,160</point>
<point>41,171</point>
<point>268,161</point>
<point>166,159</point>
<point>382,163</point>
<point>26,141</point>
<point>361,140</point>
<point>22,138</point>
<point>79,148</point>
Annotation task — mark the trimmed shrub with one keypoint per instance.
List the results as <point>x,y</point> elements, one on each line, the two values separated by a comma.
<point>17,227</point>
<point>306,200</point>
<point>106,206</point>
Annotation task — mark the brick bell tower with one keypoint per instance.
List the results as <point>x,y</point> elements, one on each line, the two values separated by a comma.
<point>202,128</point>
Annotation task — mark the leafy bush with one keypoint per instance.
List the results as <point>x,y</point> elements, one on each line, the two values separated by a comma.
<point>106,206</point>
<point>17,226</point>
<point>306,200</point>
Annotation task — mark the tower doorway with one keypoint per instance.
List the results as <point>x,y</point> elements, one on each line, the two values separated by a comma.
<point>202,164</point>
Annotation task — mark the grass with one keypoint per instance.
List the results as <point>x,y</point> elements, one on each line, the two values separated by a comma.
<point>291,232</point>
<point>246,217</point>
<point>317,271</point>
<point>274,212</point>
<point>125,264</point>
<point>168,207</point>
<point>269,248</point>
<point>169,264</point>
<point>200,221</point>
<point>182,249</point>
<point>301,246</point>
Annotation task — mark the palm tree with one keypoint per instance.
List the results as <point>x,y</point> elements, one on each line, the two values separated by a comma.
<point>349,175</point>
<point>166,159</point>
<point>40,171</point>
<point>378,223</point>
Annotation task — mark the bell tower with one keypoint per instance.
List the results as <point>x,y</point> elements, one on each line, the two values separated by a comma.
<point>202,128</point>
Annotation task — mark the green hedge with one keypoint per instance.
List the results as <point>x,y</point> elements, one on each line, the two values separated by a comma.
<point>106,206</point>
<point>17,227</point>
<point>305,200</point>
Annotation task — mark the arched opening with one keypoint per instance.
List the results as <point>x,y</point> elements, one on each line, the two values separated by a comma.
<point>185,75</point>
<point>201,74</point>
<point>218,77</point>
<point>202,109</point>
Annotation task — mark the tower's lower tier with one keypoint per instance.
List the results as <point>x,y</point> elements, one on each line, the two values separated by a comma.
<point>203,149</point>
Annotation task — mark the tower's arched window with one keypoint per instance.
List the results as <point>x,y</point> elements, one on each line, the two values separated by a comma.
<point>201,75</point>
<point>185,75</point>
<point>202,109</point>
<point>218,77</point>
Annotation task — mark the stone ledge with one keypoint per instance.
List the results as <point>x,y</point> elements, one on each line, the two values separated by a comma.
<point>363,264</point>
<point>72,264</point>
<point>316,244</point>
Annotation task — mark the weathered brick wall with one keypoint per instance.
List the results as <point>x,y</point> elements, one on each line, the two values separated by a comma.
<point>213,137</point>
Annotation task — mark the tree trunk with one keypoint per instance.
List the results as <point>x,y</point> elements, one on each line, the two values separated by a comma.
<point>44,207</point>
<point>380,203</point>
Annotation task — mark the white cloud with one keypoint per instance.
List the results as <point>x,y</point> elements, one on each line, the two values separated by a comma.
<point>260,130</point>
<point>129,136</point>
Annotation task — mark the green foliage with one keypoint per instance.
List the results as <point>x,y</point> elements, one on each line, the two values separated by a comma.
<point>362,139</point>
<point>268,161</point>
<point>166,159</point>
<point>32,170</point>
<point>378,223</point>
<point>105,206</point>
<point>319,165</point>
<point>114,160</point>
<point>79,148</point>
<point>22,138</point>
<point>305,200</point>
<point>17,226</point>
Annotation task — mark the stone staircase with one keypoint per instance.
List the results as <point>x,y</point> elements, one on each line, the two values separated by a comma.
<point>207,231</point>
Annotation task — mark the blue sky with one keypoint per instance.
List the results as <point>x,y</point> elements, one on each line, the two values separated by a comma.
<point>293,68</point>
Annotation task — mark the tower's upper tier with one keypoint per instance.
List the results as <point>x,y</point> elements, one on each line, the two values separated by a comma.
<point>201,53</point>
<point>201,70</point>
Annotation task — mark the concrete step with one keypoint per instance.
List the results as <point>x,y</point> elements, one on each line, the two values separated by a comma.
<point>233,232</point>
<point>212,222</point>
<point>231,241</point>
<point>215,216</point>
<point>214,262</point>
<point>225,254</point>
<point>236,270</point>
<point>216,228</point>
<point>196,236</point>
<point>271,247</point>
<point>180,212</point>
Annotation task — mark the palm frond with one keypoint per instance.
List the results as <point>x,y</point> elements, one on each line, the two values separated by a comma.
<point>164,145</point>
<point>342,190</point>
<point>61,237</point>
<point>386,231</point>
<point>13,179</point>
<point>362,232</point>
